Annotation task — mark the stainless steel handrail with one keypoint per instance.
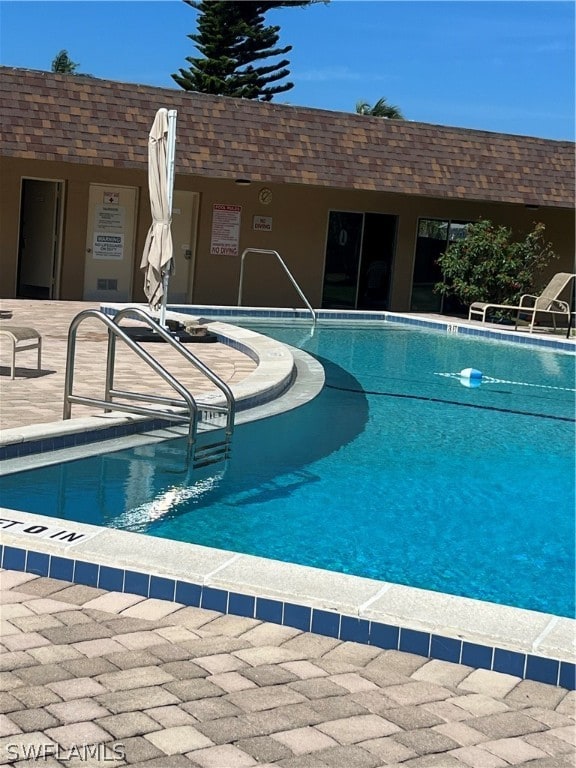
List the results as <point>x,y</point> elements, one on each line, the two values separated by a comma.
<point>283,264</point>
<point>107,403</point>
<point>181,348</point>
<point>113,331</point>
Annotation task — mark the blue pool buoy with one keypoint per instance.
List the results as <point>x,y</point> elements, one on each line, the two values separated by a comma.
<point>471,373</point>
<point>470,377</point>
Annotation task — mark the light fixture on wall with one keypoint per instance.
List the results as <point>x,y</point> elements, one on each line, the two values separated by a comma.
<point>532,207</point>
<point>242,182</point>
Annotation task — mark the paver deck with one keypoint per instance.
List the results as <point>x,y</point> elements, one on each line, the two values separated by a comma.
<point>89,677</point>
<point>82,674</point>
<point>36,398</point>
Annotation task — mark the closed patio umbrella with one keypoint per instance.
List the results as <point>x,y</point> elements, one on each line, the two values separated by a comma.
<point>157,258</point>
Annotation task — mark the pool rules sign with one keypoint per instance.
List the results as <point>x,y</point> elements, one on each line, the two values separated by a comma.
<point>225,237</point>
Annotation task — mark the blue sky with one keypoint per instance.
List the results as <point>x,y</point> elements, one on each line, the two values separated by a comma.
<point>496,66</point>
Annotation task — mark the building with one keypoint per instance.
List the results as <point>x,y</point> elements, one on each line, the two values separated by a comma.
<point>359,207</point>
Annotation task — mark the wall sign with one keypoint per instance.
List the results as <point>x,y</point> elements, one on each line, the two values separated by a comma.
<point>109,217</point>
<point>262,223</point>
<point>225,237</point>
<point>108,246</point>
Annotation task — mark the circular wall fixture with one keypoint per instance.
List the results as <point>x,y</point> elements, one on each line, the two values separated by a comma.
<point>265,196</point>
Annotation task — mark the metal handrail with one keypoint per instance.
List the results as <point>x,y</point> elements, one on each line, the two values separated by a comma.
<point>181,348</point>
<point>283,264</point>
<point>115,331</point>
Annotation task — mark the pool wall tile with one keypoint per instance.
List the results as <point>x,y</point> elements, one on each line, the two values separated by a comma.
<point>354,630</point>
<point>479,656</point>
<point>445,649</point>
<point>188,594</point>
<point>297,616</point>
<point>38,563</point>
<point>162,588</point>
<point>111,579</point>
<point>328,623</point>
<point>542,670</point>
<point>269,610</point>
<point>509,662</point>
<point>567,678</point>
<point>384,635</point>
<point>86,573</point>
<point>214,599</point>
<point>241,605</point>
<point>14,559</point>
<point>136,583</point>
<point>325,623</point>
<point>61,568</point>
<point>414,641</point>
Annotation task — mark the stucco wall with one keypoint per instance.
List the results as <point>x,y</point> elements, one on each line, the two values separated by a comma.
<point>299,224</point>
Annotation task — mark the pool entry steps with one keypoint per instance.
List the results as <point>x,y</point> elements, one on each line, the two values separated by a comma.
<point>213,417</point>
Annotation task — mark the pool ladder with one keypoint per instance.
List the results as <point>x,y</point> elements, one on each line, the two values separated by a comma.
<point>200,417</point>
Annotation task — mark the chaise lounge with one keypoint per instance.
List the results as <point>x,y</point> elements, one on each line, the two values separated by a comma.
<point>530,306</point>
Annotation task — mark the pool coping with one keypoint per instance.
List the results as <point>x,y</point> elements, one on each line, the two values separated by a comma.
<point>526,644</point>
<point>62,441</point>
<point>271,379</point>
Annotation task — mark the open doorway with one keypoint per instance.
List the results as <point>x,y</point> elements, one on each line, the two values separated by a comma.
<point>39,243</point>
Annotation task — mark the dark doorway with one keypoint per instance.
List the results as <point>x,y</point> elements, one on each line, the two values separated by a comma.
<point>359,260</point>
<point>39,242</point>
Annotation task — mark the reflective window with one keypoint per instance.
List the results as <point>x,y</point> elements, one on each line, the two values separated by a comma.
<point>434,236</point>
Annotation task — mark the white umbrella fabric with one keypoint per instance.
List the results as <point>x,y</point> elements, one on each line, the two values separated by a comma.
<point>157,258</point>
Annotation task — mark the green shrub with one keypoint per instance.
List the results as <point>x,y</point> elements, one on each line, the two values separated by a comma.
<point>487,265</point>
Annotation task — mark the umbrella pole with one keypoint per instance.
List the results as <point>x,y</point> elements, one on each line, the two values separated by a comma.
<point>170,152</point>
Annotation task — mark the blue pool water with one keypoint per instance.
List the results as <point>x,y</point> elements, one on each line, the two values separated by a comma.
<point>396,471</point>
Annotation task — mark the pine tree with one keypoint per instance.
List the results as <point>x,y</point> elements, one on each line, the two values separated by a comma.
<point>63,64</point>
<point>233,39</point>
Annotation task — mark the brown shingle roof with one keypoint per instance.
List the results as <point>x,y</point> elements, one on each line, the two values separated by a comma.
<point>45,116</point>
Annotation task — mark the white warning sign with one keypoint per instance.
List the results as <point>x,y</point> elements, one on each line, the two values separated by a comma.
<point>108,246</point>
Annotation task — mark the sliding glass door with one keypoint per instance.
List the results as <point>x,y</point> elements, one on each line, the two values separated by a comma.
<point>434,236</point>
<point>359,260</point>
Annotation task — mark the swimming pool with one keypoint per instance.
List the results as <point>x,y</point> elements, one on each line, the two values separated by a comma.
<point>396,471</point>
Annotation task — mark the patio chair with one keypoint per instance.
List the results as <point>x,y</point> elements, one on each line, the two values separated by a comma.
<point>21,338</point>
<point>531,306</point>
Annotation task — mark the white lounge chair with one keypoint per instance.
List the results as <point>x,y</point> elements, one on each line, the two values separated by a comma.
<point>530,306</point>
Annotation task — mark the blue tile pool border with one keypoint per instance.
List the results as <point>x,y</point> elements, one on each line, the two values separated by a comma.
<point>341,626</point>
<point>459,326</point>
<point>18,450</point>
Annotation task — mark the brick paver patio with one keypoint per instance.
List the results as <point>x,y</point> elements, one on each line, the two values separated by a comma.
<point>36,398</point>
<point>85,680</point>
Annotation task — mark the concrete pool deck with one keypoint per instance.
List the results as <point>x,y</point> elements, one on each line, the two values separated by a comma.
<point>393,711</point>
